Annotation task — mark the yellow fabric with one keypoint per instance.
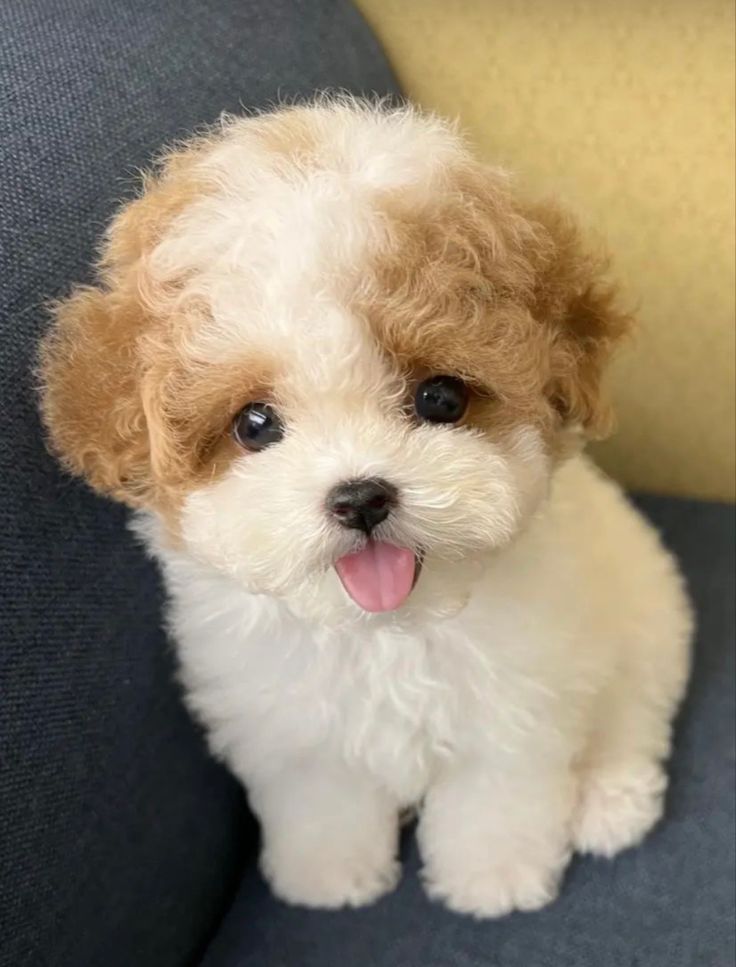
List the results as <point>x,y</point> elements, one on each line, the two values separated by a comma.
<point>626,111</point>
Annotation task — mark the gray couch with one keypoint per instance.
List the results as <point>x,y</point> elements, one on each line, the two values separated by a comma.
<point>121,843</point>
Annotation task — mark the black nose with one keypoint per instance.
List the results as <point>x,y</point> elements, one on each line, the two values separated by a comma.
<point>362,504</point>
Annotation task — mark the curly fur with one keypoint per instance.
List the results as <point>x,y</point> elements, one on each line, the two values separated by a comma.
<point>324,258</point>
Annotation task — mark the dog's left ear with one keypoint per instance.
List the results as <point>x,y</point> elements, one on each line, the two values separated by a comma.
<point>577,303</point>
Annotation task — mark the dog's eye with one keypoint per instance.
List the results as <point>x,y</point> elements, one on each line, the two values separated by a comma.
<point>257,426</point>
<point>441,399</point>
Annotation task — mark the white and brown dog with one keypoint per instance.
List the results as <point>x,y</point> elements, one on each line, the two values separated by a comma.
<point>343,371</point>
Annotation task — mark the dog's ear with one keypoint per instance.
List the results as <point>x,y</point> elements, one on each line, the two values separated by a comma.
<point>91,393</point>
<point>578,304</point>
<point>98,386</point>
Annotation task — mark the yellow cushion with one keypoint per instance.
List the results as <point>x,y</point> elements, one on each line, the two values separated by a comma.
<point>626,112</point>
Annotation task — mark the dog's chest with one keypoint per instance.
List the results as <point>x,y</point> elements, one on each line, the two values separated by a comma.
<point>390,701</point>
<point>391,707</point>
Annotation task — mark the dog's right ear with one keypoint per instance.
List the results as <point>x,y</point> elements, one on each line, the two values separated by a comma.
<point>91,399</point>
<point>98,391</point>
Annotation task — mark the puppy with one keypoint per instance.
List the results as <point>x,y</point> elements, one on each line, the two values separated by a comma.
<point>344,374</point>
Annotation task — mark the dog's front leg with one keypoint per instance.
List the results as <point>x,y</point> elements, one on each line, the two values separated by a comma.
<point>330,834</point>
<point>497,839</point>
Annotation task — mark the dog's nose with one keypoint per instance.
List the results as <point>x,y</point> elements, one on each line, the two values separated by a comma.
<point>362,504</point>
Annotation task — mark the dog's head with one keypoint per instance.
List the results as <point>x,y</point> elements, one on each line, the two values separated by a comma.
<point>328,341</point>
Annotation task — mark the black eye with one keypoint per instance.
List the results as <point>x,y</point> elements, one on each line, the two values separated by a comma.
<point>441,399</point>
<point>257,426</point>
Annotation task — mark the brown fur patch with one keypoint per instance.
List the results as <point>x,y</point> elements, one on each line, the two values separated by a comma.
<point>504,296</point>
<point>128,411</point>
<point>123,404</point>
<point>139,225</point>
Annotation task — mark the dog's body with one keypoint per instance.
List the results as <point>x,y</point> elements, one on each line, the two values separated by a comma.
<point>533,720</point>
<point>415,595</point>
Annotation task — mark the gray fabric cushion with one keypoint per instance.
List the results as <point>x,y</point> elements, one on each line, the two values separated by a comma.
<point>120,842</point>
<point>669,903</point>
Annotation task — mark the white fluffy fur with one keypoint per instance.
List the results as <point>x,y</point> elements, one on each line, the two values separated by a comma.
<point>523,695</point>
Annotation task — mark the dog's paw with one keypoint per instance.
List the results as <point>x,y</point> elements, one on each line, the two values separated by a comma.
<point>494,891</point>
<point>329,882</point>
<point>618,806</point>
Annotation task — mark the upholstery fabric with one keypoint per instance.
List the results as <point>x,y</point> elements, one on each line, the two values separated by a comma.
<point>626,112</point>
<point>120,841</point>
<point>669,903</point>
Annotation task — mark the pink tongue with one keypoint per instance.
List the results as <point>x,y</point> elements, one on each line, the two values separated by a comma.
<point>379,577</point>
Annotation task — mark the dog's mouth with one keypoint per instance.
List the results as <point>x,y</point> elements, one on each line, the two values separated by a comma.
<point>380,576</point>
